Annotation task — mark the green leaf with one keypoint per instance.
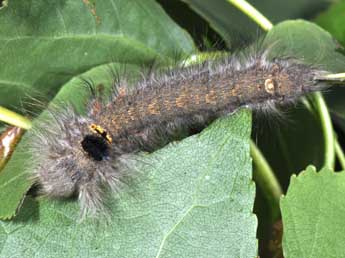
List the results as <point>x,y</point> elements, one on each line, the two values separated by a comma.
<point>333,20</point>
<point>307,42</point>
<point>235,27</point>
<point>43,44</point>
<point>193,199</point>
<point>313,215</point>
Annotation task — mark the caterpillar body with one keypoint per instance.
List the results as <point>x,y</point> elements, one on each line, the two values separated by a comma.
<point>83,155</point>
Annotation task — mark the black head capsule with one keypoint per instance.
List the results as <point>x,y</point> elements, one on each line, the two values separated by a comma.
<point>96,146</point>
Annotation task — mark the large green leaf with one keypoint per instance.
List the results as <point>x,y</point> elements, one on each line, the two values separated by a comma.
<point>192,199</point>
<point>333,21</point>
<point>45,43</point>
<point>313,215</point>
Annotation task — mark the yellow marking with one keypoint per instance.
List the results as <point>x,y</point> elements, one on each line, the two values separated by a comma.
<point>269,86</point>
<point>99,130</point>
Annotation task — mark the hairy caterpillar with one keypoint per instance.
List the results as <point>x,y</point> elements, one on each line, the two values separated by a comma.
<point>84,155</point>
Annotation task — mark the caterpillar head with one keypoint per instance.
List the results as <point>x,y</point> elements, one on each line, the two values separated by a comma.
<point>74,157</point>
<point>97,145</point>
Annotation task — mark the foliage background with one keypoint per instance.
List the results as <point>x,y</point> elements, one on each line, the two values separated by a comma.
<point>197,198</point>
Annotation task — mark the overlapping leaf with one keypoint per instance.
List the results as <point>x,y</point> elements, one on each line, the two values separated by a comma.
<point>313,215</point>
<point>45,43</point>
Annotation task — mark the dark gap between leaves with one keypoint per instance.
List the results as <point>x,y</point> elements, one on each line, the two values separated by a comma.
<point>3,3</point>
<point>205,37</point>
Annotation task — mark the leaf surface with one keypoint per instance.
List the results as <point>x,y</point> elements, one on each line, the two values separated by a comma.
<point>313,215</point>
<point>43,44</point>
<point>332,20</point>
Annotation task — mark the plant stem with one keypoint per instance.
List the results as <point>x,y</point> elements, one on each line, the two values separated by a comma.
<point>265,178</point>
<point>252,13</point>
<point>317,112</point>
<point>327,127</point>
<point>13,118</point>
<point>340,154</point>
<point>332,77</point>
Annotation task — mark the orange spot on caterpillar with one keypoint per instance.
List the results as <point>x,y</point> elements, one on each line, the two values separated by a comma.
<point>211,97</point>
<point>197,99</point>
<point>153,108</point>
<point>235,91</point>
<point>132,113</point>
<point>181,101</point>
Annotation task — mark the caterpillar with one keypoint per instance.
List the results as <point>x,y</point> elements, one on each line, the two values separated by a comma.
<point>84,156</point>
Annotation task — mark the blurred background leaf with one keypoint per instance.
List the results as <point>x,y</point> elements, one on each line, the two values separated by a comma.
<point>313,216</point>
<point>44,44</point>
<point>232,25</point>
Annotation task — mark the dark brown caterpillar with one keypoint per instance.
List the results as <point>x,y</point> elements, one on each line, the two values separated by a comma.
<point>83,154</point>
